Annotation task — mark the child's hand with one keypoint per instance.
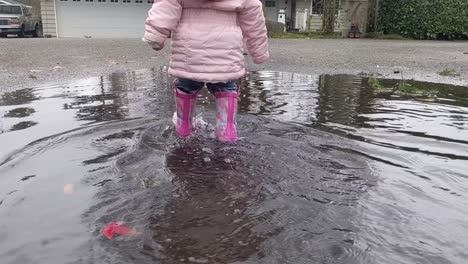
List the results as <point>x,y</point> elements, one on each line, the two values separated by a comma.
<point>153,45</point>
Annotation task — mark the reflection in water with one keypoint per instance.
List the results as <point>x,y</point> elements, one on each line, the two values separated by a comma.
<point>106,104</point>
<point>207,220</point>
<point>23,125</point>
<point>16,98</point>
<point>19,97</point>
<point>325,172</point>
<point>271,93</point>
<point>20,112</point>
<point>106,109</point>
<point>342,106</point>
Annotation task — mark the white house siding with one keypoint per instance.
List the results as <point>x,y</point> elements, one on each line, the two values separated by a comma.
<point>316,20</point>
<point>49,23</point>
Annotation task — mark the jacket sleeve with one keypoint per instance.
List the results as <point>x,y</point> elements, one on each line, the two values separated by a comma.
<point>163,18</point>
<point>252,23</point>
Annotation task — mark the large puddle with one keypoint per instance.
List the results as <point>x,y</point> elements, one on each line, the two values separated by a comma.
<point>326,171</point>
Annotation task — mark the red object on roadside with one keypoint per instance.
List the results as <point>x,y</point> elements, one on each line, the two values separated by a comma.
<point>117,228</point>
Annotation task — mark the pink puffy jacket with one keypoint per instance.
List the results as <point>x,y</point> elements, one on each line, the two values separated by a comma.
<point>207,36</point>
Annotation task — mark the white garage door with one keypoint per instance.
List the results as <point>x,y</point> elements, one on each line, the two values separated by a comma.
<point>102,18</point>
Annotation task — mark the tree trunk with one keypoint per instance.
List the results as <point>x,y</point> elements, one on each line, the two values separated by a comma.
<point>373,16</point>
<point>377,15</point>
<point>328,17</point>
<point>292,21</point>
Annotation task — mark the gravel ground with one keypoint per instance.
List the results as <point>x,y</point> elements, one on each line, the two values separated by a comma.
<point>37,62</point>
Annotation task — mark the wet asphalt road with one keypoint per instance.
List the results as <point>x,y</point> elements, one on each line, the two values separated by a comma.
<point>34,62</point>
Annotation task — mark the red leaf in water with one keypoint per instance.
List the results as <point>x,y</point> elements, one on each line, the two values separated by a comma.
<point>123,230</point>
<point>116,228</point>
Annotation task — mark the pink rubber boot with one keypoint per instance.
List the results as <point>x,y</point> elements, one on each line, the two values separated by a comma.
<point>226,125</point>
<point>185,109</point>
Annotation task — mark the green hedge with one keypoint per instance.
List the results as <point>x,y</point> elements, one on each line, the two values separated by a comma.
<point>425,19</point>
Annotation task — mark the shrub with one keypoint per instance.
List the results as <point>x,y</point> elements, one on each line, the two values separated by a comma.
<point>425,19</point>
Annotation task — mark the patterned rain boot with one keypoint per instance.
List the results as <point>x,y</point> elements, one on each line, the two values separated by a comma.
<point>185,109</point>
<point>226,125</point>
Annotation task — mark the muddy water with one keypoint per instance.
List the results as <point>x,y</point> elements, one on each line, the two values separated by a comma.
<point>326,171</point>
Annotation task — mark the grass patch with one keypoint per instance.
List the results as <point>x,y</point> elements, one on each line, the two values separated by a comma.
<point>400,87</point>
<point>303,35</point>
<point>449,72</point>
<point>374,83</point>
<point>404,87</point>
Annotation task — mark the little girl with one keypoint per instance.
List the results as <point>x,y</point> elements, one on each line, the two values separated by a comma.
<point>207,48</point>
